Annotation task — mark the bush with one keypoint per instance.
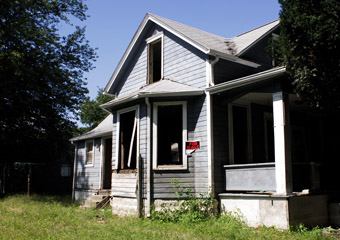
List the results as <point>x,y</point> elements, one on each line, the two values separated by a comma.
<point>187,208</point>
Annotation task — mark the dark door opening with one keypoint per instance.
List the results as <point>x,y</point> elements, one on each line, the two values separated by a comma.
<point>107,171</point>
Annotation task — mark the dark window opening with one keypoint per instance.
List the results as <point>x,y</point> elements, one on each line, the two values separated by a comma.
<point>127,141</point>
<point>240,135</point>
<point>269,143</point>
<point>155,61</point>
<point>169,135</point>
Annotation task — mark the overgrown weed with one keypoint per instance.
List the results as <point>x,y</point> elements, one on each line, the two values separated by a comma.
<point>187,208</point>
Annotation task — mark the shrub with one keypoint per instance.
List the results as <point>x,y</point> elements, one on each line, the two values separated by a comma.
<point>187,207</point>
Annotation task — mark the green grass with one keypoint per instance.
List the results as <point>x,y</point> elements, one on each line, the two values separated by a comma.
<point>51,217</point>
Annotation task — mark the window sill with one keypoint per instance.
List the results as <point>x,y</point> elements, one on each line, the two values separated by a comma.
<point>125,171</point>
<point>170,167</point>
<point>89,165</point>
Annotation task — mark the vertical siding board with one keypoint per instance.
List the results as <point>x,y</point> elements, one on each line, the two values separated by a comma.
<point>220,118</point>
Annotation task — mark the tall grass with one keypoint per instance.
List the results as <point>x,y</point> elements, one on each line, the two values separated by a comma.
<point>51,217</point>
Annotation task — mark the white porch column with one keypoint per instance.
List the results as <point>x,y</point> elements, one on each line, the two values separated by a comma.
<point>283,162</point>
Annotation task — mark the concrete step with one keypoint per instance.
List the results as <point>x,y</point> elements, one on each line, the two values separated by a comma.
<point>97,198</point>
<point>104,192</point>
<point>89,204</point>
<point>95,201</point>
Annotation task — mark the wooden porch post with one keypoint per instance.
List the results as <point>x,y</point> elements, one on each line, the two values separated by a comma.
<point>282,143</point>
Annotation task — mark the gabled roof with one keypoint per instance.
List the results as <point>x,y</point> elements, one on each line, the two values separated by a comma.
<point>208,43</point>
<point>162,88</point>
<point>103,129</point>
<point>204,41</point>
<point>211,43</point>
<point>246,40</point>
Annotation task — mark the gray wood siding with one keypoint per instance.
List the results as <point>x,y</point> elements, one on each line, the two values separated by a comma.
<point>124,185</point>
<point>196,177</point>
<point>88,177</point>
<point>135,76</point>
<point>185,64</point>
<point>182,62</point>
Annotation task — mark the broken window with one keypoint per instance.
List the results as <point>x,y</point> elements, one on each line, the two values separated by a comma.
<point>154,58</point>
<point>89,153</point>
<point>127,140</point>
<point>169,135</point>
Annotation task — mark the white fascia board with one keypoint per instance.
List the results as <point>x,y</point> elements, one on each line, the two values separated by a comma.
<point>118,102</point>
<point>147,94</point>
<point>233,58</point>
<point>90,136</point>
<point>239,82</point>
<point>173,94</point>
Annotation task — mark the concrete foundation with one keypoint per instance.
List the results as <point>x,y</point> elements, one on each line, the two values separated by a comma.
<point>81,195</point>
<point>278,211</point>
<point>122,206</point>
<point>334,214</point>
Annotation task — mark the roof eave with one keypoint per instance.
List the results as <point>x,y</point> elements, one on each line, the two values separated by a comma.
<point>89,136</point>
<point>254,78</point>
<point>233,58</point>
<point>107,106</point>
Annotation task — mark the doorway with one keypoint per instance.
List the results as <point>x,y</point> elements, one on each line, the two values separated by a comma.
<point>107,164</point>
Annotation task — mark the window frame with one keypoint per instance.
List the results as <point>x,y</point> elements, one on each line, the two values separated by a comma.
<point>116,165</point>
<point>158,37</point>
<point>93,153</point>
<point>184,165</point>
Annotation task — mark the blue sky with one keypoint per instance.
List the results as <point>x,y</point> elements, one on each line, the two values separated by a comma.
<point>112,24</point>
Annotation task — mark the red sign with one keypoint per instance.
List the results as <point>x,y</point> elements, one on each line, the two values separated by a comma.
<point>192,145</point>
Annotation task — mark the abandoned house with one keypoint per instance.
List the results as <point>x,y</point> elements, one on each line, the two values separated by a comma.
<point>218,115</point>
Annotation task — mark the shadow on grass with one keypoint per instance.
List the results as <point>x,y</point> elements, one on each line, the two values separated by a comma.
<point>63,199</point>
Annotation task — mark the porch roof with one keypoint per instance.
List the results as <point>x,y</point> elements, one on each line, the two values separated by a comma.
<point>250,79</point>
<point>162,88</point>
<point>103,129</point>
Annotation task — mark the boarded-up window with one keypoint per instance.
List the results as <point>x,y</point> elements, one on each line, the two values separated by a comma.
<point>89,153</point>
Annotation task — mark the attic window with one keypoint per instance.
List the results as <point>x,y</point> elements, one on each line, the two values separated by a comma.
<point>155,58</point>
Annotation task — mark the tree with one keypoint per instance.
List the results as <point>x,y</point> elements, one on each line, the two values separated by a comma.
<point>91,114</point>
<point>41,78</point>
<point>310,43</point>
